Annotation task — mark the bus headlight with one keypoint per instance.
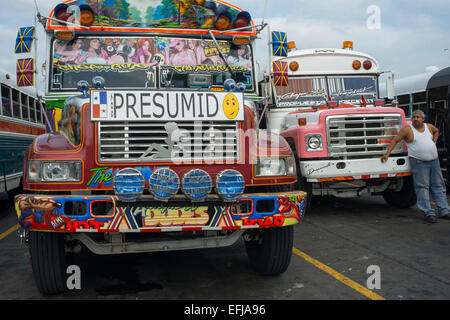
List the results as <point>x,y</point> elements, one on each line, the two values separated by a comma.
<point>273,167</point>
<point>314,142</point>
<point>56,171</point>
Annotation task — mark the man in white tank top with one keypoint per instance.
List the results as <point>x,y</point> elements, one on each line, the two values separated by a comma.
<point>421,137</point>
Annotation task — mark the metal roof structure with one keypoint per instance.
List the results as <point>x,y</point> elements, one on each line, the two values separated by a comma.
<point>440,79</point>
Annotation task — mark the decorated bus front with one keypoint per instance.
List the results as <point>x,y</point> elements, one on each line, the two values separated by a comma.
<point>155,136</point>
<point>330,112</point>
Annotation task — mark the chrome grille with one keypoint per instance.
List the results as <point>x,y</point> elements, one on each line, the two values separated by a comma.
<point>143,141</point>
<point>362,135</point>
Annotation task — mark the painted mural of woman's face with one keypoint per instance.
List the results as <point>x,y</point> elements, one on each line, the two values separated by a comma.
<point>95,44</point>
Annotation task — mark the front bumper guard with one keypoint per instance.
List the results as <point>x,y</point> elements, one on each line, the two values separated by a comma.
<point>108,214</point>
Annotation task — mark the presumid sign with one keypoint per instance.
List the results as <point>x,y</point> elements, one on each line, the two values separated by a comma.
<point>166,106</point>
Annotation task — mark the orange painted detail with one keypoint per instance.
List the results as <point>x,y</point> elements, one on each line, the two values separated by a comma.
<point>20,128</point>
<point>403,174</point>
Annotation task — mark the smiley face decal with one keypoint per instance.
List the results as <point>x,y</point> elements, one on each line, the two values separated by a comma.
<point>230,106</point>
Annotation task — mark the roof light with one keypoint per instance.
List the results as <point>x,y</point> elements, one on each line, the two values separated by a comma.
<point>86,15</point>
<point>367,64</point>
<point>356,64</point>
<point>293,66</point>
<point>240,40</point>
<point>291,45</point>
<point>65,35</point>
<point>223,21</point>
<point>243,19</point>
<point>348,45</point>
<point>62,12</point>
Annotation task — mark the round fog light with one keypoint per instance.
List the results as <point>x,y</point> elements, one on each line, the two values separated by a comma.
<point>163,184</point>
<point>128,184</point>
<point>230,185</point>
<point>196,185</point>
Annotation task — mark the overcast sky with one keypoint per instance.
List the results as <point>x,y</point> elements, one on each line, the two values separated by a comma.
<point>409,35</point>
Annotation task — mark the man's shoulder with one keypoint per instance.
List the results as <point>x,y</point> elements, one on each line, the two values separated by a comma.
<point>406,128</point>
<point>431,126</point>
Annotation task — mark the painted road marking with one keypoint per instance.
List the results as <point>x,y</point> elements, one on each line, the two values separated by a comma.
<point>9,231</point>
<point>347,281</point>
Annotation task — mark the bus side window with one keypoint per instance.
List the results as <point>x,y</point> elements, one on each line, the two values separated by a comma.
<point>32,109</point>
<point>16,104</point>
<point>6,101</point>
<point>25,106</point>
<point>39,117</point>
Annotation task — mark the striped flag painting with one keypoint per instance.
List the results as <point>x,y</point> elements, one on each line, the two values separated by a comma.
<point>279,44</point>
<point>99,104</point>
<point>24,40</point>
<point>280,73</point>
<point>25,72</point>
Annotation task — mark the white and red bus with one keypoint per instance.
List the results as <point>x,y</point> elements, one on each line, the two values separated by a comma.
<point>21,121</point>
<point>334,120</point>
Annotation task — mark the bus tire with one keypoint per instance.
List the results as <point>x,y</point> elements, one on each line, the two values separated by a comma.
<point>404,198</point>
<point>48,261</point>
<point>270,252</point>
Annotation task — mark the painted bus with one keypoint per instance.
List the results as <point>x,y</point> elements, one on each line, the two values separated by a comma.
<point>156,144</point>
<point>430,92</point>
<point>331,114</point>
<point>21,121</point>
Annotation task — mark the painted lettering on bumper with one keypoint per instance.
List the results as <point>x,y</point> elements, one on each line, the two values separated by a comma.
<point>108,214</point>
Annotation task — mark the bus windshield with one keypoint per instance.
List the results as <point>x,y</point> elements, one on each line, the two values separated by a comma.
<point>352,89</point>
<point>314,91</point>
<point>156,62</point>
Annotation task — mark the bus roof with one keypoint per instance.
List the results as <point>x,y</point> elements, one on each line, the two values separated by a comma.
<point>440,79</point>
<point>157,16</point>
<point>411,84</point>
<point>10,79</point>
<point>325,61</point>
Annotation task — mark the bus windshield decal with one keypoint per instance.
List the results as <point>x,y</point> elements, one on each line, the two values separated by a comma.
<point>302,92</point>
<point>129,62</point>
<point>313,91</point>
<point>351,89</point>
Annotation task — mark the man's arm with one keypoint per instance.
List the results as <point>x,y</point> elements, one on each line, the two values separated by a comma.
<point>434,131</point>
<point>401,135</point>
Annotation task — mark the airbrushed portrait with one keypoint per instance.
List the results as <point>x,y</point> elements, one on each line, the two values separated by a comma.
<point>130,62</point>
<point>150,51</point>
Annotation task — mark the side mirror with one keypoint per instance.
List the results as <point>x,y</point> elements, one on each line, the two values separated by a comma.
<point>390,91</point>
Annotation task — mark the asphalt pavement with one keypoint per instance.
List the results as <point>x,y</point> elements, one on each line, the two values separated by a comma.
<point>345,249</point>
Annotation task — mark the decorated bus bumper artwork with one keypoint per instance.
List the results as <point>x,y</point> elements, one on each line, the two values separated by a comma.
<point>109,214</point>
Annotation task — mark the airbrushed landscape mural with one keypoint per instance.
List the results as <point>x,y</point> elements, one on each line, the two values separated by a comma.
<point>159,13</point>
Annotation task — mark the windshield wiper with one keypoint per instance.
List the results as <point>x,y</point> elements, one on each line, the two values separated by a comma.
<point>233,75</point>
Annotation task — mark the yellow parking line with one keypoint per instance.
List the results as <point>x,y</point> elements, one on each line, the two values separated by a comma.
<point>352,284</point>
<point>9,231</point>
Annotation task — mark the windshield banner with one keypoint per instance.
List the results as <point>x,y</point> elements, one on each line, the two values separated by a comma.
<point>352,89</point>
<point>302,92</point>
